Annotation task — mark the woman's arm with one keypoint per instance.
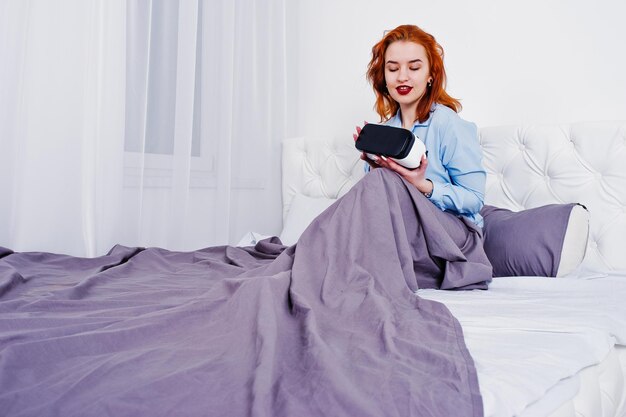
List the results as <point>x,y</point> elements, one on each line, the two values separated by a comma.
<point>463,190</point>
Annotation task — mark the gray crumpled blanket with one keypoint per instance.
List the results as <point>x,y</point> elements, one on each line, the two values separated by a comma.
<point>328,327</point>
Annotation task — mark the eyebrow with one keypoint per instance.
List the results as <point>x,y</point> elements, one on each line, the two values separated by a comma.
<point>410,62</point>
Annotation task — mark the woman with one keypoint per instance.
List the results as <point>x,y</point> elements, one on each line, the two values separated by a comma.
<point>408,77</point>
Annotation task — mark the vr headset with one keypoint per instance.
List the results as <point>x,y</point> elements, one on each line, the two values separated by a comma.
<point>394,142</point>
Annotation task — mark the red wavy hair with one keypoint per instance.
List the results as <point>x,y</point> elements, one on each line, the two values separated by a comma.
<point>387,107</point>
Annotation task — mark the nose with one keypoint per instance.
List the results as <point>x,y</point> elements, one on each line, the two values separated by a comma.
<point>403,74</point>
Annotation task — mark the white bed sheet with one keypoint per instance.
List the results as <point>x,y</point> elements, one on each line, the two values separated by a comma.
<point>531,336</point>
<point>528,335</point>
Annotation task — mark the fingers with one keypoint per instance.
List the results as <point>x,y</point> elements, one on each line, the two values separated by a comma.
<point>365,157</point>
<point>405,172</point>
<point>372,163</point>
<point>423,164</point>
<point>355,136</point>
<point>389,163</point>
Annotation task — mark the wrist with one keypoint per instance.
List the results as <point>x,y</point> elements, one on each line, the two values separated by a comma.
<point>427,188</point>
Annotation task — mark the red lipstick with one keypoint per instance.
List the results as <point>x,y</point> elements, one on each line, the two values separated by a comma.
<point>404,90</point>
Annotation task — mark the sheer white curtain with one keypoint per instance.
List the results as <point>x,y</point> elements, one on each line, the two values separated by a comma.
<point>151,123</point>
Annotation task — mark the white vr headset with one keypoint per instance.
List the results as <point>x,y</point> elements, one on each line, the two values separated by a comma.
<point>396,143</point>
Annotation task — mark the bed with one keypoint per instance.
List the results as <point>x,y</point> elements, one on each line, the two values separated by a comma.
<point>335,324</point>
<point>543,347</point>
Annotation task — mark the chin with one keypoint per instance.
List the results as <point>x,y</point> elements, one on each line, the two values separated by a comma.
<point>407,100</point>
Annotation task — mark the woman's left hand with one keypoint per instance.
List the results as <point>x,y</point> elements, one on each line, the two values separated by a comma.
<point>416,176</point>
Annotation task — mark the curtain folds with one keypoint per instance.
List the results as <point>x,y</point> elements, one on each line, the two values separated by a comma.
<point>153,123</point>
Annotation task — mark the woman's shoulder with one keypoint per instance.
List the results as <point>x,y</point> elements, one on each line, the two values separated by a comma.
<point>450,126</point>
<point>443,112</point>
<point>446,117</point>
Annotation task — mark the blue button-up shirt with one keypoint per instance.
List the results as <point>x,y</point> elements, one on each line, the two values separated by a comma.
<point>454,161</point>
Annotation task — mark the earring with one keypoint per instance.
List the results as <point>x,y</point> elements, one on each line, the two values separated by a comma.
<point>430,82</point>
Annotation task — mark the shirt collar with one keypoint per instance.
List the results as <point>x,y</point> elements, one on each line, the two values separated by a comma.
<point>396,121</point>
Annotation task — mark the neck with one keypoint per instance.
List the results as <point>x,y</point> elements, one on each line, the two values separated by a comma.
<point>408,114</point>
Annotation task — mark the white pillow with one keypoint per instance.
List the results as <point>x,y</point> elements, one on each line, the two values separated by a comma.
<point>574,241</point>
<point>301,213</point>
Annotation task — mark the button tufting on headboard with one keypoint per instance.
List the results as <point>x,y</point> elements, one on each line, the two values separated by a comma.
<point>584,163</point>
<point>318,167</point>
<point>527,166</point>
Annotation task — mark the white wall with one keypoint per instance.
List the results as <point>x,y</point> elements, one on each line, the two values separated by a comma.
<point>509,62</point>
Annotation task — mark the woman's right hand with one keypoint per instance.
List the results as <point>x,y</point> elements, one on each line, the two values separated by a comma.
<point>372,162</point>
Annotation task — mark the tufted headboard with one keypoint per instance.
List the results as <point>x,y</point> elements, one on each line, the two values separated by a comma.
<point>527,166</point>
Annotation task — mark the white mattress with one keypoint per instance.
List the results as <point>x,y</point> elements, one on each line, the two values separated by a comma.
<point>532,338</point>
